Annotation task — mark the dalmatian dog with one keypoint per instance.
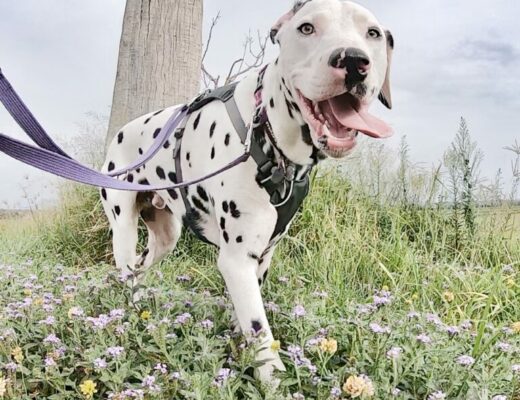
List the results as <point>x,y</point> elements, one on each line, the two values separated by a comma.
<point>333,63</point>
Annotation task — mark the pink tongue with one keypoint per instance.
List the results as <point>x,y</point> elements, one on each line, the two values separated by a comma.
<point>359,120</point>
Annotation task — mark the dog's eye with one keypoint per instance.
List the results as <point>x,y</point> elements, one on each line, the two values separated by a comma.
<point>306,29</point>
<point>374,33</point>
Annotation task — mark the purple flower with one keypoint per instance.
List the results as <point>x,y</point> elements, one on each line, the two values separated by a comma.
<point>100,363</point>
<point>183,278</point>
<point>466,325</point>
<point>222,376</point>
<point>452,330</point>
<point>335,392</point>
<point>465,360</point>
<point>499,397</point>
<point>100,322</point>
<point>366,309</point>
<point>396,392</point>
<point>423,338</point>
<point>115,351</point>
<point>149,383</point>
<point>49,362</point>
<point>117,314</point>
<point>413,315</point>
<point>182,319</point>
<point>175,376</point>
<point>516,368</point>
<point>283,279</point>
<point>299,311</point>
<point>11,366</point>
<point>378,329</point>
<point>394,353</point>
<point>382,298</point>
<point>162,368</point>
<point>52,339</point>
<point>271,306</point>
<point>50,320</point>
<point>503,346</point>
<point>207,324</point>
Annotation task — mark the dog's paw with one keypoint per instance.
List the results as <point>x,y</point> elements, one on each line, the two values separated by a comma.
<point>271,362</point>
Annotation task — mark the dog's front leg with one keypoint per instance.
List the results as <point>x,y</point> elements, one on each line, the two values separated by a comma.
<point>239,272</point>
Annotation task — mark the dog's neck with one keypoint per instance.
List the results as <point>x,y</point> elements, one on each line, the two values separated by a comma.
<point>289,130</point>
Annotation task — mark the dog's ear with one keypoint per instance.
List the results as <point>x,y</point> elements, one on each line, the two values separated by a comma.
<point>278,25</point>
<point>298,4</point>
<point>386,95</point>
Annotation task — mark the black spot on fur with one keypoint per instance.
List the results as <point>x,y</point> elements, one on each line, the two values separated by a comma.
<point>114,214</point>
<point>295,107</point>
<point>173,194</point>
<point>213,152</point>
<point>271,102</point>
<point>188,156</point>
<point>306,135</point>
<point>226,236</point>
<point>147,120</point>
<point>111,166</point>
<point>222,183</point>
<point>158,112</point>
<point>225,206</point>
<point>104,193</point>
<point>140,151</point>
<point>192,221</point>
<point>196,122</point>
<point>156,132</point>
<point>130,178</point>
<point>172,177</point>
<point>222,223</point>
<point>117,209</point>
<point>256,325</point>
<point>160,173</point>
<point>202,193</point>
<point>289,108</point>
<point>253,256</point>
<point>235,213</point>
<point>212,129</point>
<point>120,137</point>
<point>198,204</point>
<point>166,144</point>
<point>239,239</point>
<point>143,181</point>
<point>226,139</point>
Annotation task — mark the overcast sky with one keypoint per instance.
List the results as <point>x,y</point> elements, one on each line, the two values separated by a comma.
<point>452,59</point>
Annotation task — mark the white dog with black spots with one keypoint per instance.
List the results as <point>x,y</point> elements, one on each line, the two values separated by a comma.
<point>334,62</point>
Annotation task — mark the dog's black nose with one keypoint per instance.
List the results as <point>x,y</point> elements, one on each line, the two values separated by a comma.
<point>355,61</point>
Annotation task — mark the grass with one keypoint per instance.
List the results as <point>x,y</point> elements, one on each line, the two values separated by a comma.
<point>370,276</point>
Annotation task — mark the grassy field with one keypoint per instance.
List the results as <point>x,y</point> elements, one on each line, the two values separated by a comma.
<point>398,302</point>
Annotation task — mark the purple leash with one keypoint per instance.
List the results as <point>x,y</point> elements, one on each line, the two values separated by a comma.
<point>51,158</point>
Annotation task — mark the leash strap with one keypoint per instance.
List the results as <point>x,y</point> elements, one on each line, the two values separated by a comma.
<point>21,114</point>
<point>49,157</point>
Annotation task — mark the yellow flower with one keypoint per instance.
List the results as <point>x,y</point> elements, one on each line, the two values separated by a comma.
<point>510,283</point>
<point>357,386</point>
<point>516,327</point>
<point>448,296</point>
<point>38,301</point>
<point>145,315</point>
<point>88,388</point>
<point>17,354</point>
<point>275,345</point>
<point>27,292</point>
<point>3,386</point>
<point>68,297</point>
<point>329,345</point>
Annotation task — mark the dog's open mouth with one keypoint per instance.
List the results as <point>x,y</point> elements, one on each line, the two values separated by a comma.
<point>337,121</point>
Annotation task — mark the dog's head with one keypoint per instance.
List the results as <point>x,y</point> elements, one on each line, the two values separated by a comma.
<point>336,58</point>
